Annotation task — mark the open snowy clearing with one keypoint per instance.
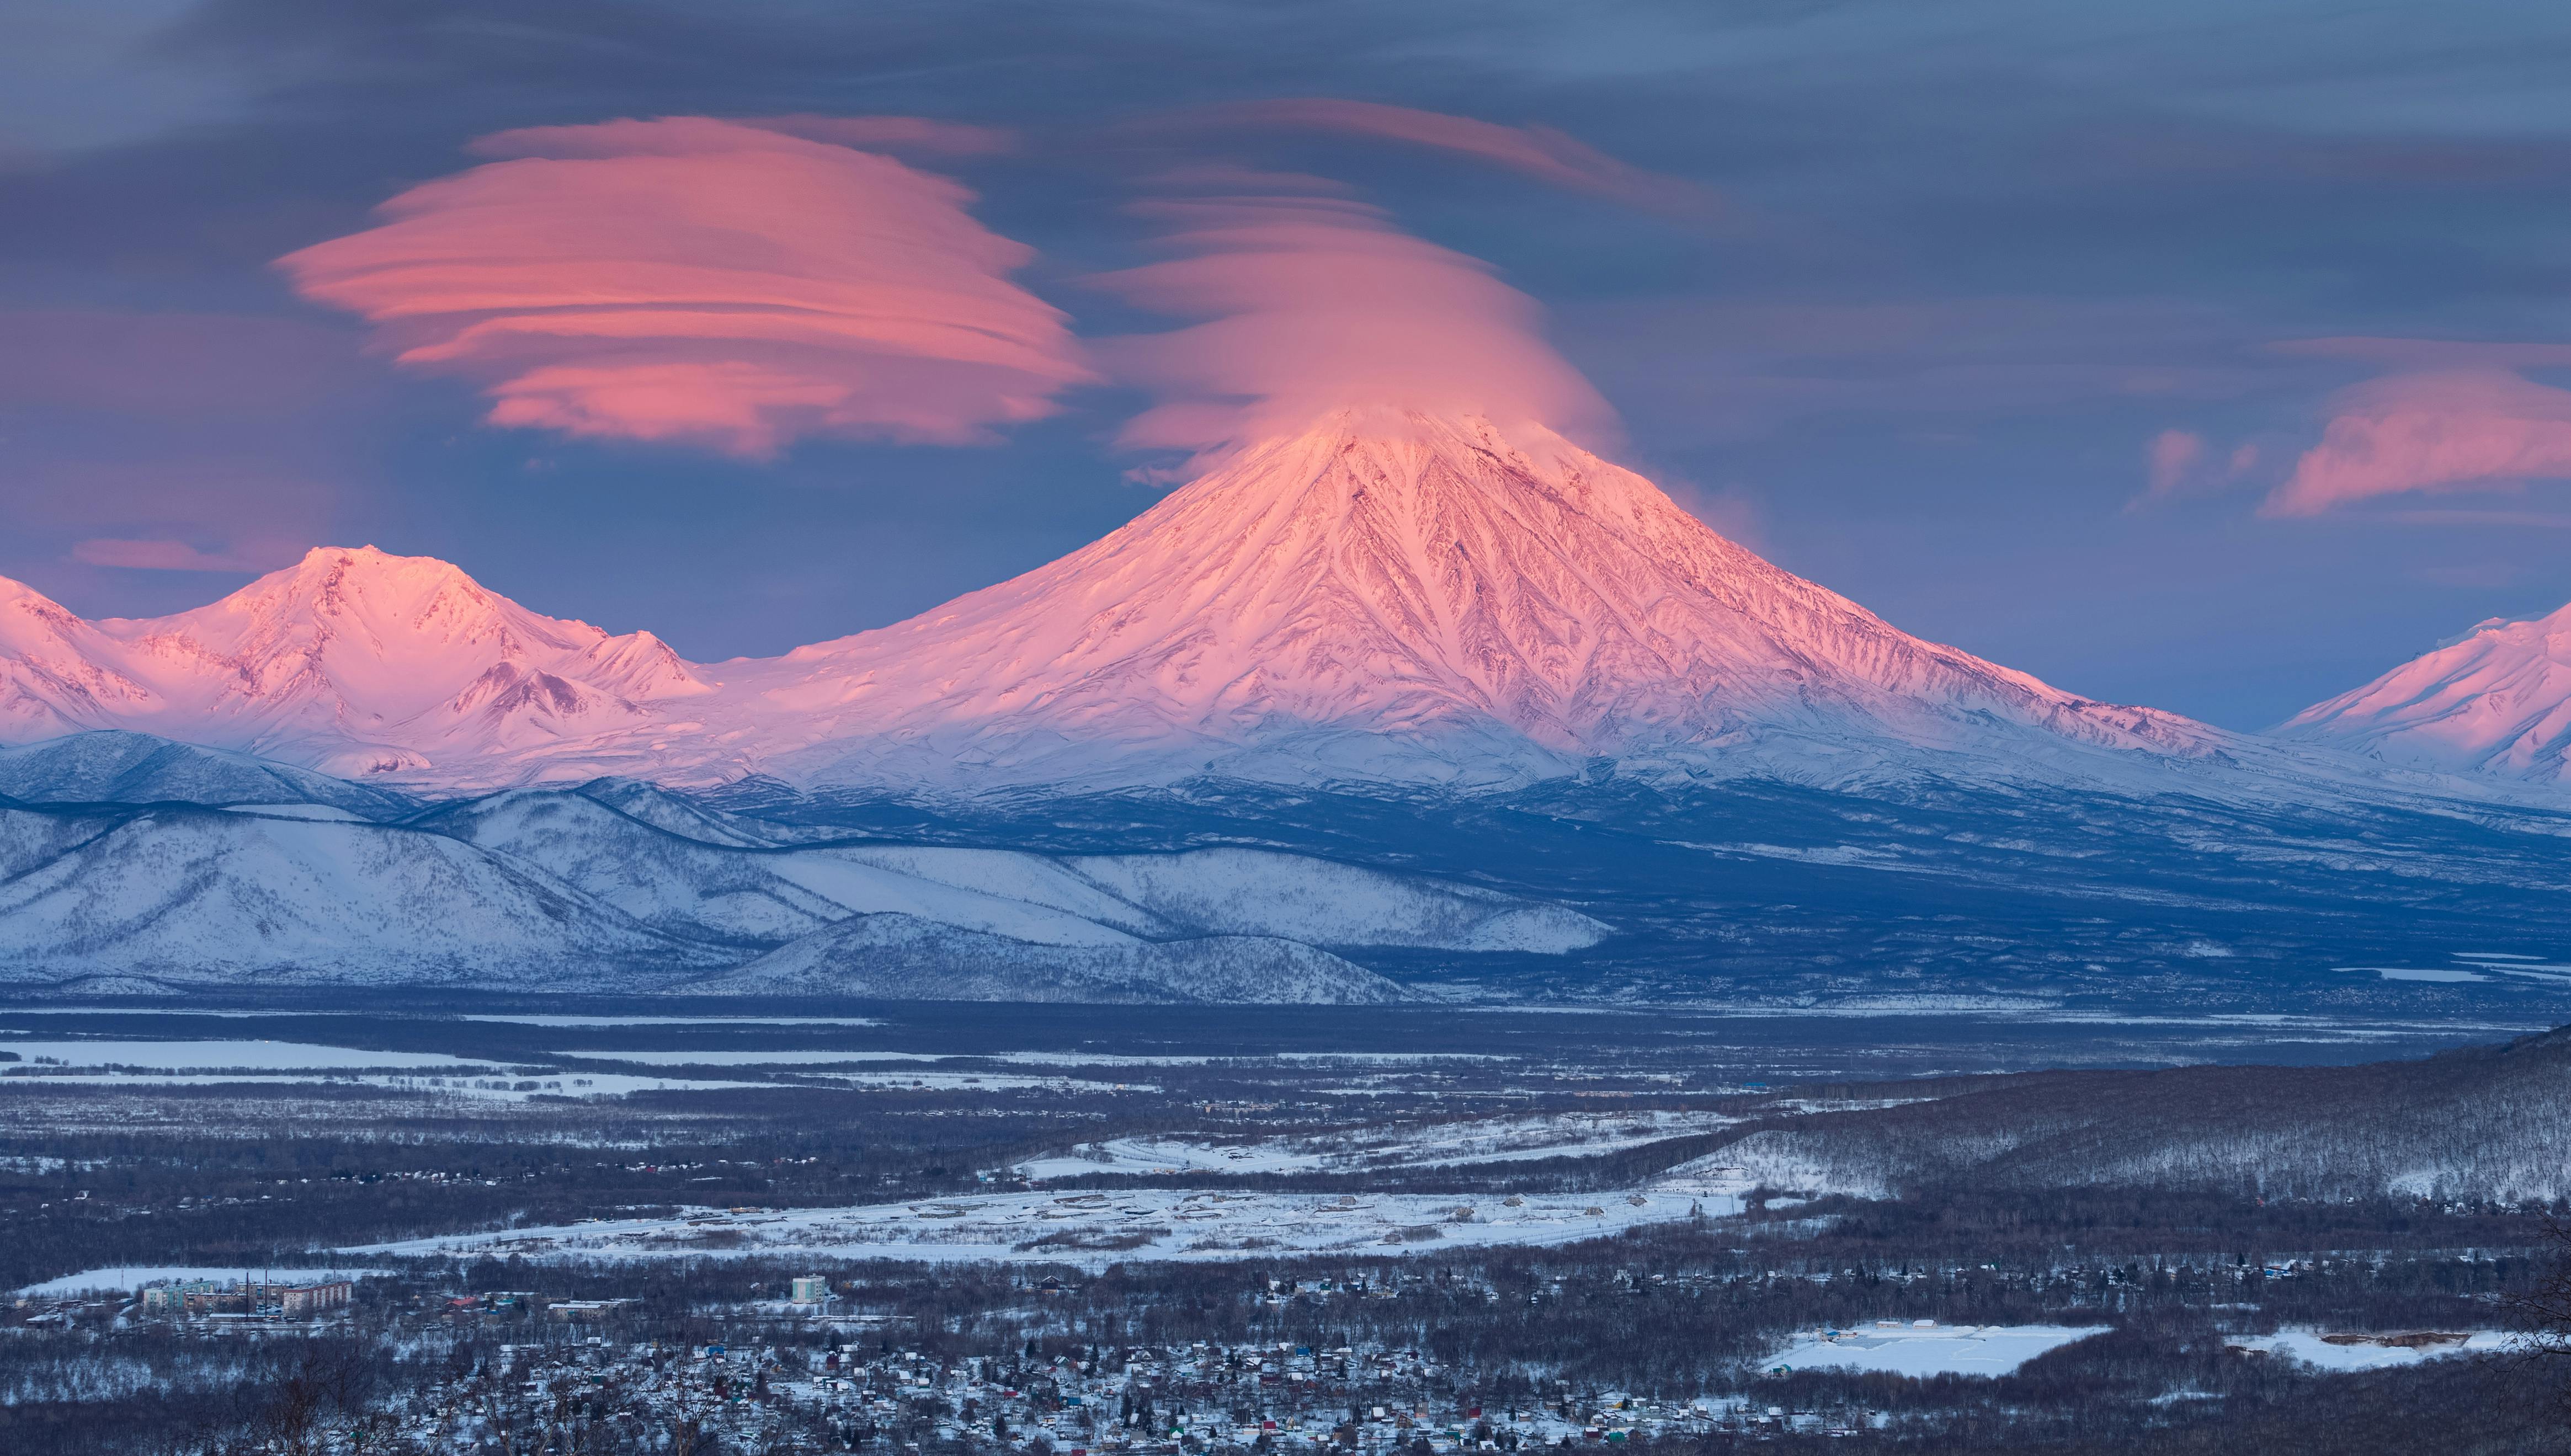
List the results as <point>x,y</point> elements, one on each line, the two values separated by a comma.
<point>1094,1228</point>
<point>2331,1351</point>
<point>316,812</point>
<point>481,1083</point>
<point>190,1011</point>
<point>800,1056</point>
<point>977,1082</point>
<point>228,1056</point>
<point>1486,1140</point>
<point>708,1021</point>
<point>787,1057</point>
<point>1926,1349</point>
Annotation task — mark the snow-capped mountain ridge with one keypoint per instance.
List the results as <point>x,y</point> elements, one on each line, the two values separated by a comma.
<point>355,662</point>
<point>619,886</point>
<point>2494,701</point>
<point>1395,600</point>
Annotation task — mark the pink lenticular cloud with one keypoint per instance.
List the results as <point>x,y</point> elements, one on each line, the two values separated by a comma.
<point>705,282</point>
<point>1313,305</point>
<point>1539,151</point>
<point>2433,432</point>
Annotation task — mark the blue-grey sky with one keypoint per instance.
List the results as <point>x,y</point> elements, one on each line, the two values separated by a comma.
<point>1996,315</point>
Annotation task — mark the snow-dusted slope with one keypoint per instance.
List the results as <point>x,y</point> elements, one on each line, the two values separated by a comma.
<point>138,769</point>
<point>202,897</point>
<point>945,923</point>
<point>905,957</point>
<point>687,886</point>
<point>1403,601</point>
<point>1253,892</point>
<point>668,881</point>
<point>206,896</point>
<point>619,886</point>
<point>2496,701</point>
<point>354,663</point>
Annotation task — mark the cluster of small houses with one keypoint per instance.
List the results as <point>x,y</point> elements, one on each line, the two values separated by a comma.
<point>1145,1400</point>
<point>1137,1403</point>
<point>836,1381</point>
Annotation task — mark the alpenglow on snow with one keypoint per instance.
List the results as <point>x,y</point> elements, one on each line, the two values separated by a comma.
<point>1425,601</point>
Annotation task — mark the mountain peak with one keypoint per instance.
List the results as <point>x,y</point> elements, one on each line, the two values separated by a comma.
<point>2495,699</point>
<point>1408,596</point>
<point>352,659</point>
<point>384,592</point>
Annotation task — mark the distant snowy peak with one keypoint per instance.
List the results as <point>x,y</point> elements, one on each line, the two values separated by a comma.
<point>2495,701</point>
<point>1426,600</point>
<point>351,661</point>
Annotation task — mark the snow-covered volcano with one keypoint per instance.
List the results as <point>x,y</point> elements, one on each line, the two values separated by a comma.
<point>2495,701</point>
<point>1403,600</point>
<point>1411,599</point>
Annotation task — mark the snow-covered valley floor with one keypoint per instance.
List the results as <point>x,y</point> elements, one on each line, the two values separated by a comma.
<point>1101,1228</point>
<point>1433,1145</point>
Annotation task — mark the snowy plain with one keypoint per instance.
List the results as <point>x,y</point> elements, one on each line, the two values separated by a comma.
<point>1094,1229</point>
<point>226,1056</point>
<point>1432,1144</point>
<point>478,1083</point>
<point>1924,1347</point>
<point>2342,1353</point>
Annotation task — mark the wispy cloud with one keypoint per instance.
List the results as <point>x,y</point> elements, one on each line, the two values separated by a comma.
<point>2179,464</point>
<point>710,282</point>
<point>2434,432</point>
<point>1539,151</point>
